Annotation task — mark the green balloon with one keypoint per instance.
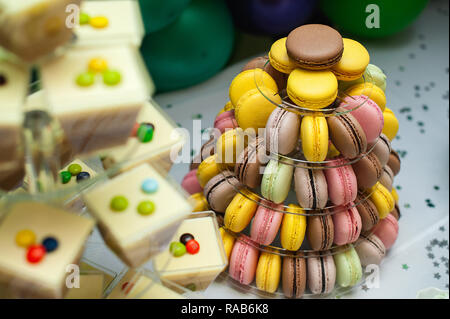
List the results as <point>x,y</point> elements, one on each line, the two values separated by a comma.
<point>158,14</point>
<point>192,49</point>
<point>358,17</point>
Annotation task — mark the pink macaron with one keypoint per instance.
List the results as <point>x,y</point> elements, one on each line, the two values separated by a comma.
<point>225,120</point>
<point>387,230</point>
<point>368,114</point>
<point>243,261</point>
<point>347,224</point>
<point>190,183</point>
<point>341,181</point>
<point>266,223</point>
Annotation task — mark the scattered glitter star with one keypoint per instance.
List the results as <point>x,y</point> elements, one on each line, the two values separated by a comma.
<point>405,267</point>
<point>436,264</point>
<point>437,276</point>
<point>444,259</point>
<point>431,256</point>
<point>429,248</point>
<point>443,243</point>
<point>434,242</point>
<point>442,228</point>
<point>364,287</point>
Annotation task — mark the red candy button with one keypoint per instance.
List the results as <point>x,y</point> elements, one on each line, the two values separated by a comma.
<point>135,129</point>
<point>192,247</point>
<point>35,253</point>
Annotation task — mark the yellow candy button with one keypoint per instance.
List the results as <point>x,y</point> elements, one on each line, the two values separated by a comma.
<point>99,22</point>
<point>25,238</point>
<point>98,65</point>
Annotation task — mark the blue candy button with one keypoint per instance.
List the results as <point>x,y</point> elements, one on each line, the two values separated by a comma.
<point>149,186</point>
<point>50,244</point>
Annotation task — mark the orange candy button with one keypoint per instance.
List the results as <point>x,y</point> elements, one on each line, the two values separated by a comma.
<point>98,65</point>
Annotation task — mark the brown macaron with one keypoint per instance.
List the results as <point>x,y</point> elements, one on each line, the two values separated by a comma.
<point>320,232</point>
<point>394,162</point>
<point>315,46</point>
<point>249,161</point>
<point>263,64</point>
<point>368,212</point>
<point>396,212</point>
<point>282,131</point>
<point>293,276</point>
<point>206,150</point>
<point>368,170</point>
<point>346,134</point>
<point>381,149</point>
<point>311,188</point>
<point>370,249</point>
<point>220,190</point>
<point>387,178</point>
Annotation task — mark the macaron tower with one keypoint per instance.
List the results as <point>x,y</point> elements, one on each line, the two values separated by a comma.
<point>306,177</point>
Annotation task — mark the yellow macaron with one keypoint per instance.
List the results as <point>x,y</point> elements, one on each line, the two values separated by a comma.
<point>248,80</point>
<point>268,272</point>
<point>394,194</point>
<point>382,198</point>
<point>229,145</point>
<point>228,107</point>
<point>207,169</point>
<point>254,108</point>
<point>391,125</point>
<point>353,63</point>
<point>293,228</point>
<point>240,211</point>
<point>314,136</point>
<point>279,59</point>
<point>228,241</point>
<point>198,202</point>
<point>312,89</point>
<point>371,90</point>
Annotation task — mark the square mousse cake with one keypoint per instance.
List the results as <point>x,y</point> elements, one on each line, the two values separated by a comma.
<point>165,140</point>
<point>14,81</point>
<point>110,22</point>
<point>34,28</point>
<point>96,94</point>
<point>138,211</point>
<point>38,243</point>
<point>196,255</point>
<point>137,285</point>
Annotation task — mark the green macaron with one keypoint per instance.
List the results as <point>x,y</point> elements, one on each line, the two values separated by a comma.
<point>348,267</point>
<point>276,181</point>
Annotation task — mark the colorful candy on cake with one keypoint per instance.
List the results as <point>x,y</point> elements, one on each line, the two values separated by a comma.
<point>39,242</point>
<point>137,212</point>
<point>196,255</point>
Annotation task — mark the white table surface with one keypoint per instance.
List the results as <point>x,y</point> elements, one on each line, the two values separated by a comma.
<point>416,63</point>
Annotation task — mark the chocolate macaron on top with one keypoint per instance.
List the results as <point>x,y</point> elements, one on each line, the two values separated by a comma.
<point>315,46</point>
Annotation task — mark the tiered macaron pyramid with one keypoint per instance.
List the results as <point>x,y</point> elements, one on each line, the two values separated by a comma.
<point>302,151</point>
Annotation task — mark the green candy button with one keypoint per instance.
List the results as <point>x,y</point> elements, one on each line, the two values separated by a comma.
<point>84,18</point>
<point>119,203</point>
<point>74,169</point>
<point>111,77</point>
<point>146,207</point>
<point>145,132</point>
<point>65,177</point>
<point>177,249</point>
<point>85,79</point>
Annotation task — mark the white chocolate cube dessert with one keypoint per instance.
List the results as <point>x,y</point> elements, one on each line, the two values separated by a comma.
<point>34,28</point>
<point>14,81</point>
<point>138,211</point>
<point>110,22</point>
<point>135,285</point>
<point>196,255</point>
<point>96,94</point>
<point>166,140</point>
<point>38,242</point>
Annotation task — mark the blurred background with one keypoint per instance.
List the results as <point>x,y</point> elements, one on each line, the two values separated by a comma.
<point>189,41</point>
